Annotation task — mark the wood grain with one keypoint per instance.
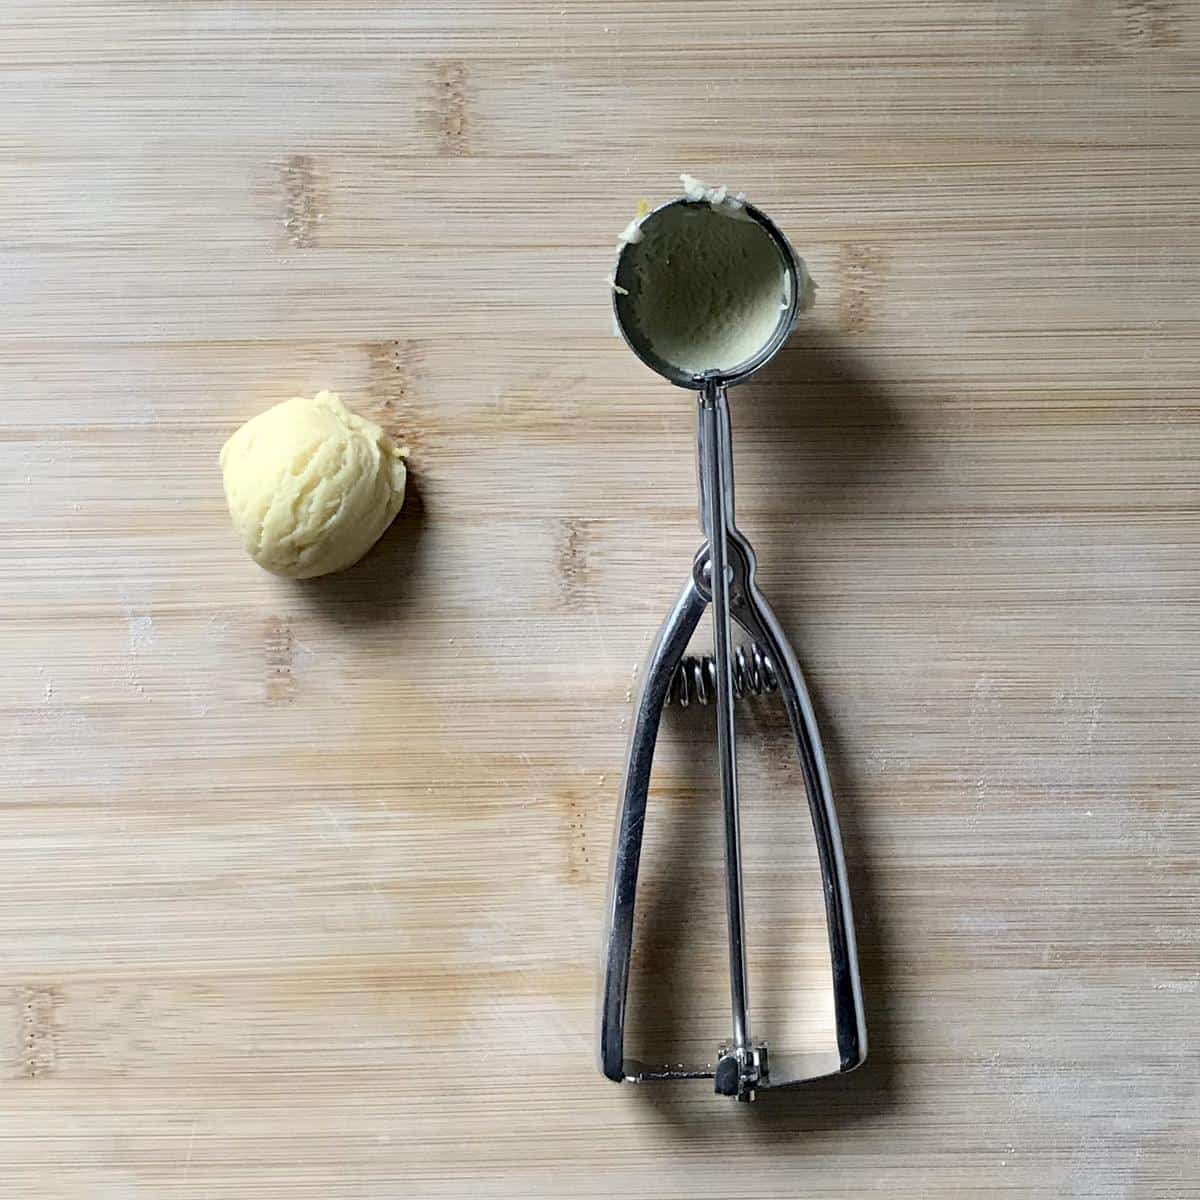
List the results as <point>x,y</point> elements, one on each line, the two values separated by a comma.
<point>301,886</point>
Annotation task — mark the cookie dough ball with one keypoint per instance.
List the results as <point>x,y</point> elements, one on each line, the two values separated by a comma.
<point>311,486</point>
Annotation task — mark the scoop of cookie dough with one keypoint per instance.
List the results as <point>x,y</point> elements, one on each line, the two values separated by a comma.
<point>311,486</point>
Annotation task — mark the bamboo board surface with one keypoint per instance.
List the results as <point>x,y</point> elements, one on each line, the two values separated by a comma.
<point>301,886</point>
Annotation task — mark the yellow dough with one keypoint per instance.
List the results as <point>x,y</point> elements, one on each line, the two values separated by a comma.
<point>311,486</point>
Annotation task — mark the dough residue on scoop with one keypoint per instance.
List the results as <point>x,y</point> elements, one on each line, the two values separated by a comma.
<point>311,486</point>
<point>708,295</point>
<point>708,283</point>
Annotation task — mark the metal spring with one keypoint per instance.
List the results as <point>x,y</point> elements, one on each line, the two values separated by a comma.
<point>695,680</point>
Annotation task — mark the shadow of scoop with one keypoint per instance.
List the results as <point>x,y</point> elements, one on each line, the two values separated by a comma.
<point>816,437</point>
<point>819,446</point>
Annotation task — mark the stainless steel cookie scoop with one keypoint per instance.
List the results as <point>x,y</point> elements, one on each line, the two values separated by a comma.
<point>723,575</point>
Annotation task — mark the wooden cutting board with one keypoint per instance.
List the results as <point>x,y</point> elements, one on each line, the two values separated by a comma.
<point>301,885</point>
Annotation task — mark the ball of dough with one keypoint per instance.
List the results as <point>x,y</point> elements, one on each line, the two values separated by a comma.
<point>311,486</point>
